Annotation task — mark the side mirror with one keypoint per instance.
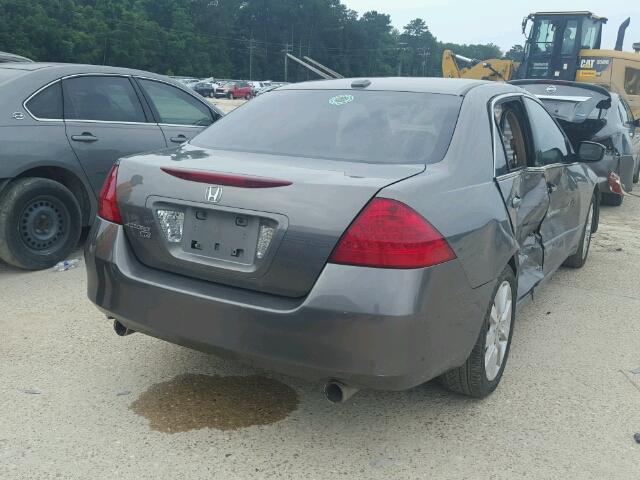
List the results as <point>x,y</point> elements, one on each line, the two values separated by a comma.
<point>589,152</point>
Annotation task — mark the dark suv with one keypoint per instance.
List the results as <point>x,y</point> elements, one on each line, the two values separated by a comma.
<point>61,130</point>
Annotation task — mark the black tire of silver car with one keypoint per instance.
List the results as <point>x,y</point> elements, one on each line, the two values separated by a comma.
<point>612,199</point>
<point>40,223</point>
<point>474,378</point>
<point>578,259</point>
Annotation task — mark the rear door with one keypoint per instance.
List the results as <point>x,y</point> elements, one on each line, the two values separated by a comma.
<point>104,121</point>
<point>181,116</point>
<point>562,225</point>
<point>523,189</point>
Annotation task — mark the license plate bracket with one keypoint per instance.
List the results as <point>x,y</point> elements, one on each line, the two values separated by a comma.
<point>221,235</point>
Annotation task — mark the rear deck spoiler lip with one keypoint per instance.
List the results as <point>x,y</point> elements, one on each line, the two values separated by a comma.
<point>564,83</point>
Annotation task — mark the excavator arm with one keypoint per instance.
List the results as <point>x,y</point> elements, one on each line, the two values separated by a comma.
<point>494,69</point>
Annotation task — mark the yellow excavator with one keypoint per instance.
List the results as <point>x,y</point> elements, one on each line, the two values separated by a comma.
<point>561,46</point>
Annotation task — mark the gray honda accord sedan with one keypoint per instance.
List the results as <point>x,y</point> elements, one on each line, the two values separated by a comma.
<point>371,233</point>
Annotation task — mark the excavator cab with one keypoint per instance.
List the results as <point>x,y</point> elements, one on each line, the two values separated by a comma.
<point>554,42</point>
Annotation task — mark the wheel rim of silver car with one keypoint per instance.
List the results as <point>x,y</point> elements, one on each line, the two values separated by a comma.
<point>587,233</point>
<point>498,333</point>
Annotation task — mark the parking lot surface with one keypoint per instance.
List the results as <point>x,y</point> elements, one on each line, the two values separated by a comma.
<point>78,402</point>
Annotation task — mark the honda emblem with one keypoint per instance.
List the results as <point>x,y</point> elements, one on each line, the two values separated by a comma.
<point>213,194</point>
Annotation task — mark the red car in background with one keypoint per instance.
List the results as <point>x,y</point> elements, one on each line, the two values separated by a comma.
<point>233,90</point>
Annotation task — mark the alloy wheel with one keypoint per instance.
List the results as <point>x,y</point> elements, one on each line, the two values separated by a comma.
<point>497,338</point>
<point>587,233</point>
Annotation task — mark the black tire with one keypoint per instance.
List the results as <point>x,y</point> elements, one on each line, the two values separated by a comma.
<point>230,96</point>
<point>211,95</point>
<point>40,223</point>
<point>578,259</point>
<point>471,378</point>
<point>611,199</point>
<point>247,96</point>
<point>636,176</point>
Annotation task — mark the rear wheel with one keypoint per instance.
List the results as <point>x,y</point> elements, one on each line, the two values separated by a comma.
<point>211,95</point>
<point>247,96</point>
<point>578,259</point>
<point>230,96</point>
<point>40,223</point>
<point>481,373</point>
<point>612,199</point>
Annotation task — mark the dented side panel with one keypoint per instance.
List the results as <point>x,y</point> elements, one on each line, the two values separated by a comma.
<point>562,226</point>
<point>527,200</point>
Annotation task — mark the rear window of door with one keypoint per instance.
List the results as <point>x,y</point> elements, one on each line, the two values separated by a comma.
<point>175,107</point>
<point>103,98</point>
<point>508,116</point>
<point>550,142</point>
<point>47,103</point>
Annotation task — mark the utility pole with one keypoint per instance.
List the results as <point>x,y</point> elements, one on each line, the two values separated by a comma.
<point>401,48</point>
<point>286,63</point>
<point>426,54</point>
<point>251,59</point>
<point>104,53</point>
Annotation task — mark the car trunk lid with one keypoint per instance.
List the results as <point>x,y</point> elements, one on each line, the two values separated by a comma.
<point>255,221</point>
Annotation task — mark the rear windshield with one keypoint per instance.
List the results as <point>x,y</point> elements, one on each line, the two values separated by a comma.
<point>357,126</point>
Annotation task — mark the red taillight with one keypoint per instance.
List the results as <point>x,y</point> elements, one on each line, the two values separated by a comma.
<point>389,234</point>
<point>226,179</point>
<point>108,200</point>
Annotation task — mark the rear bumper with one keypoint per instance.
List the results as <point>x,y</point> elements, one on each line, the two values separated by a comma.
<point>383,329</point>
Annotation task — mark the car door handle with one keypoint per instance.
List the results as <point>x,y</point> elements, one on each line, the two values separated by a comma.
<point>85,137</point>
<point>515,203</point>
<point>552,187</point>
<point>179,139</point>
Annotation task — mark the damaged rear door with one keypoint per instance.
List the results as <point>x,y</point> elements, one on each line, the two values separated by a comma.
<point>562,225</point>
<point>523,189</point>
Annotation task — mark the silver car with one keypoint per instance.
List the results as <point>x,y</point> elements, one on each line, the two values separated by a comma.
<point>371,233</point>
<point>62,128</point>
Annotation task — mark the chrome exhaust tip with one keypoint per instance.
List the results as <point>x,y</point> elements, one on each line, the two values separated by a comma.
<point>338,392</point>
<point>121,330</point>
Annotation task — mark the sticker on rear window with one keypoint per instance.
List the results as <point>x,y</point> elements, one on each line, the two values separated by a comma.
<point>341,100</point>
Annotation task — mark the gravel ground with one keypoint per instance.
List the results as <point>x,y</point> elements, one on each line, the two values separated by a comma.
<point>78,402</point>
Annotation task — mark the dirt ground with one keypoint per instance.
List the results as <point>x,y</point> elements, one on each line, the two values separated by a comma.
<point>78,402</point>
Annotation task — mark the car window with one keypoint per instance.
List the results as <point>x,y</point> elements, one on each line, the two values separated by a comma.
<point>108,98</point>
<point>174,106</point>
<point>622,112</point>
<point>508,116</point>
<point>357,126</point>
<point>47,103</point>
<point>629,112</point>
<point>550,143</point>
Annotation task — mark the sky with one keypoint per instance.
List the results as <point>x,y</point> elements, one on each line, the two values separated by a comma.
<point>499,21</point>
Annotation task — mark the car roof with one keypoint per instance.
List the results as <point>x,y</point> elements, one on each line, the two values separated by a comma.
<point>62,69</point>
<point>448,86</point>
